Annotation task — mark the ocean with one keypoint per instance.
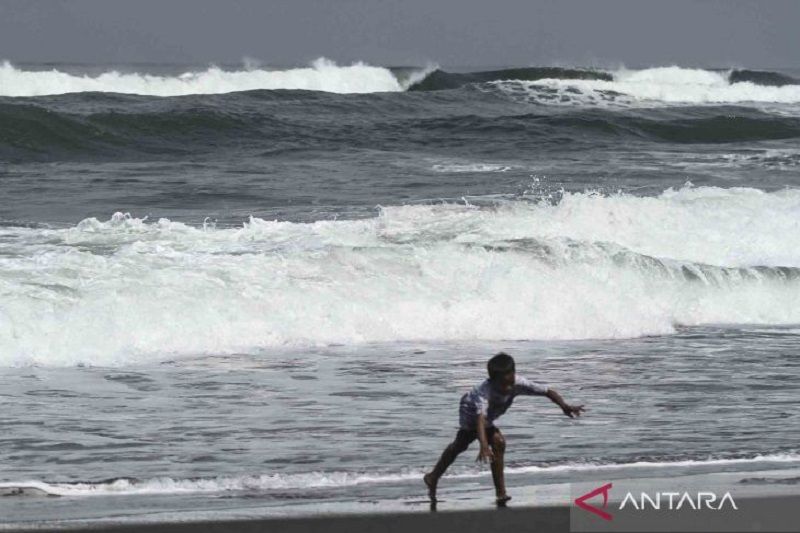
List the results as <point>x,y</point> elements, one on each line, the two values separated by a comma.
<point>254,291</point>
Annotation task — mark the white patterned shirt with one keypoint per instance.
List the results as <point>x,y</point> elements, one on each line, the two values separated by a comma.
<point>487,400</point>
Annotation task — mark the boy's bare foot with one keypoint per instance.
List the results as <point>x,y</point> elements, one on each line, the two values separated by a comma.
<point>502,500</point>
<point>431,486</point>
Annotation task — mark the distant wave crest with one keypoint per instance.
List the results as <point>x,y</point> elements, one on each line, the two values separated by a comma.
<point>572,85</point>
<point>658,86</point>
<point>321,75</point>
<point>439,80</point>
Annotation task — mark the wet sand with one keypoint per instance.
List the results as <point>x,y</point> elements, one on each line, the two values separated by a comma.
<point>765,500</point>
<point>554,518</point>
<point>756,514</point>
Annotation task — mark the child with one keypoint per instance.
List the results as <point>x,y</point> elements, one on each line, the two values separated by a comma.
<point>478,410</point>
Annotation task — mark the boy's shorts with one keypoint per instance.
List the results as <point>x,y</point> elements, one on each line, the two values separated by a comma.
<point>466,436</point>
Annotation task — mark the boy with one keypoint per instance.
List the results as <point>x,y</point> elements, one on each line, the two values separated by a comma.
<point>478,410</point>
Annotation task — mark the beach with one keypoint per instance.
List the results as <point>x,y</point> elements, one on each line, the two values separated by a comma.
<point>763,501</point>
<point>255,295</point>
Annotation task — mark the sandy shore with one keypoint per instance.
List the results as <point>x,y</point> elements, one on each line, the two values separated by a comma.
<point>554,518</point>
<point>756,514</point>
<point>765,501</point>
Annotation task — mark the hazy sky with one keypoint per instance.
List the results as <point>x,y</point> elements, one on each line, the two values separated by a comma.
<point>401,32</point>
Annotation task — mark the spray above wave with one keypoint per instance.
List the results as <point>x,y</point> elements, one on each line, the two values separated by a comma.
<point>589,266</point>
<point>323,480</point>
<point>322,75</point>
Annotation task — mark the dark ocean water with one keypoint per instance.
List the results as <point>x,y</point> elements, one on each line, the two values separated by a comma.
<point>256,288</point>
<point>307,155</point>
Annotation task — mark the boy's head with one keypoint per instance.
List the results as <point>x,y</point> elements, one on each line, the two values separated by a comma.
<point>502,371</point>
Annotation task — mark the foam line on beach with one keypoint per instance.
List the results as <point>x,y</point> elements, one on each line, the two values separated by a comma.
<point>324,480</point>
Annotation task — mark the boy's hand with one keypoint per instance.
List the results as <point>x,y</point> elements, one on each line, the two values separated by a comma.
<point>485,454</point>
<point>572,410</point>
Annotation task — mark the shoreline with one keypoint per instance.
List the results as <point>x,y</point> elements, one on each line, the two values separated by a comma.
<point>767,501</point>
<point>770,513</point>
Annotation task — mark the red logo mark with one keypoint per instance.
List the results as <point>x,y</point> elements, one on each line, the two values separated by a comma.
<point>581,502</point>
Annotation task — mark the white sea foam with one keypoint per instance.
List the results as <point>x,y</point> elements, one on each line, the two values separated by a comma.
<point>323,480</point>
<point>457,168</point>
<point>662,84</point>
<point>673,85</point>
<point>133,291</point>
<point>321,75</point>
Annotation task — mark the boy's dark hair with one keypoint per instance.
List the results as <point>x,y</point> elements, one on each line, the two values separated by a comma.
<point>500,365</point>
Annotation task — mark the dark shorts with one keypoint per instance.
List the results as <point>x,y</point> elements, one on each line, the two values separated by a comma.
<point>464,437</point>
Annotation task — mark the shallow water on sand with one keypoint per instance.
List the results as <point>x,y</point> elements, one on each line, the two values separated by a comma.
<point>352,423</point>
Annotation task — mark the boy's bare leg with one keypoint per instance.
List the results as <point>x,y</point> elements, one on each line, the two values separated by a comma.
<point>498,444</point>
<point>449,455</point>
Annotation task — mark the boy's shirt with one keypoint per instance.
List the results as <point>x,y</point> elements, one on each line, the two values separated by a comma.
<point>485,399</point>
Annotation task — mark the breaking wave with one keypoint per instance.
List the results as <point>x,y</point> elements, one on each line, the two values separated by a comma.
<point>321,75</point>
<point>541,84</point>
<point>664,85</point>
<point>588,265</point>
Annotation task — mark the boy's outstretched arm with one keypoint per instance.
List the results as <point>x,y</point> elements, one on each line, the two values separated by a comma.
<point>570,410</point>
